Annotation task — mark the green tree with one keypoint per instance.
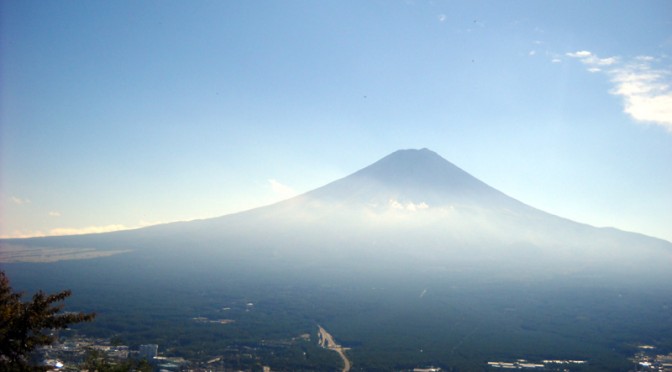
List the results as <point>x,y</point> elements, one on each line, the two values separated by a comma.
<point>27,325</point>
<point>98,361</point>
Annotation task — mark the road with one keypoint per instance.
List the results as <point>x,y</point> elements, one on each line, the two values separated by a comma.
<point>327,342</point>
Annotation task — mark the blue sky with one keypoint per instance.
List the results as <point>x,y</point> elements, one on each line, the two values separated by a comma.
<point>123,114</point>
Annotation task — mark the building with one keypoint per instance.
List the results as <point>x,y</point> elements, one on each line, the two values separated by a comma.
<point>149,351</point>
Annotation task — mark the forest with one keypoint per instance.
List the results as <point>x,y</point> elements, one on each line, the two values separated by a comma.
<point>453,321</point>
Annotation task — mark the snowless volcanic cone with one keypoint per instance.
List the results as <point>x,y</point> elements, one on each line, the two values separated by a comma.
<point>410,211</point>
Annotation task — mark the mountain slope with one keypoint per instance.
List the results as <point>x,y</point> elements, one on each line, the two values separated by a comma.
<point>408,254</point>
<point>411,208</point>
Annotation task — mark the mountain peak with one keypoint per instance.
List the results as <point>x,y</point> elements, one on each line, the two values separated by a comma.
<point>423,168</point>
<point>416,154</point>
<point>413,161</point>
<point>411,175</point>
<point>424,151</point>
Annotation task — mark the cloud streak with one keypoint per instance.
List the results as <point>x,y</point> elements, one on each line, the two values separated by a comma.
<point>64,231</point>
<point>281,190</point>
<point>86,230</point>
<point>412,207</point>
<point>593,63</point>
<point>19,201</point>
<point>645,89</point>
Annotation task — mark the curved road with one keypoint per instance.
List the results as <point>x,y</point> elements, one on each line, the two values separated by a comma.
<point>327,342</point>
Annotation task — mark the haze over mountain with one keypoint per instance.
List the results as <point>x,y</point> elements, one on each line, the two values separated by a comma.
<point>411,210</point>
<point>410,253</point>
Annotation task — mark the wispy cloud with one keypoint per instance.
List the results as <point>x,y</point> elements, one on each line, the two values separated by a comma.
<point>441,17</point>
<point>280,189</point>
<point>580,54</point>
<point>19,234</point>
<point>17,200</point>
<point>86,230</point>
<point>646,92</point>
<point>55,214</point>
<point>412,207</point>
<point>645,89</point>
<point>593,62</point>
<point>63,231</point>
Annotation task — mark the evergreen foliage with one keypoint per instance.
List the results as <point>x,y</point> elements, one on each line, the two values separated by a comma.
<point>25,326</point>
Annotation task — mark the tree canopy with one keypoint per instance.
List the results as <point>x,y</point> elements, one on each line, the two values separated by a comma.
<point>25,326</point>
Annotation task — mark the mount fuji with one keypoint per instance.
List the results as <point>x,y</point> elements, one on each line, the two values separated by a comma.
<point>410,211</point>
<point>408,262</point>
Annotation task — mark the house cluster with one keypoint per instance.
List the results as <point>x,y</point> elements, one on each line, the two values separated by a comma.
<point>524,364</point>
<point>74,351</point>
<point>647,359</point>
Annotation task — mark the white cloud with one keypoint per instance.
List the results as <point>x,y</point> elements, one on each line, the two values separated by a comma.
<point>580,54</point>
<point>556,60</point>
<point>532,52</point>
<point>645,58</point>
<point>17,234</point>
<point>591,59</point>
<point>86,230</point>
<point>414,207</point>
<point>280,189</point>
<point>55,214</point>
<point>63,231</point>
<point>441,17</point>
<point>646,90</point>
<point>392,203</point>
<point>411,207</point>
<point>19,201</point>
<point>605,61</point>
